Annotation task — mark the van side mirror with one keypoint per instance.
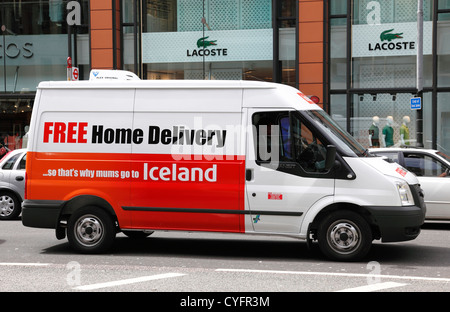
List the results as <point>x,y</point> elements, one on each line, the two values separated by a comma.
<point>331,157</point>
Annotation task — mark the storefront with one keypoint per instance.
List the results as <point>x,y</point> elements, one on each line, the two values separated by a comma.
<point>211,39</point>
<point>34,46</point>
<point>357,56</point>
<point>156,39</point>
<point>372,71</point>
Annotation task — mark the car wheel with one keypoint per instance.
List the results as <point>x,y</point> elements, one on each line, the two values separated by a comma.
<point>10,206</point>
<point>344,236</point>
<point>91,230</point>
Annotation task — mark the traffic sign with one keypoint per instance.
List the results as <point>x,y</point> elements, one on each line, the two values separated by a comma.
<point>75,73</point>
<point>416,103</point>
<point>69,68</point>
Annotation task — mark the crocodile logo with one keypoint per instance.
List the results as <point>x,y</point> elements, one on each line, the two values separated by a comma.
<point>203,43</point>
<point>386,35</point>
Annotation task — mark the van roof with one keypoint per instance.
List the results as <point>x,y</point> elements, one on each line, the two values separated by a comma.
<point>158,84</point>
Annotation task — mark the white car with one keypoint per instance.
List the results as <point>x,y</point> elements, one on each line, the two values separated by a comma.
<point>12,184</point>
<point>432,169</point>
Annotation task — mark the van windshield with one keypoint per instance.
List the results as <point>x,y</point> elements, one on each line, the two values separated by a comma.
<point>340,137</point>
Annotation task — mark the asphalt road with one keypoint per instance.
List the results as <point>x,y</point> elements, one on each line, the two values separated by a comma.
<point>197,264</point>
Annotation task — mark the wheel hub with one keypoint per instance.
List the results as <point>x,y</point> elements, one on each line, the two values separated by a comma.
<point>89,230</point>
<point>6,206</point>
<point>343,236</point>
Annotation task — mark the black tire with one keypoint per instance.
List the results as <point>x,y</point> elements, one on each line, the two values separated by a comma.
<point>91,230</point>
<point>344,236</point>
<point>10,206</point>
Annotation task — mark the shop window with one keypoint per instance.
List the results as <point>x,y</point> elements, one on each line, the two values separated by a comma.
<point>15,117</point>
<point>443,4</point>
<point>383,44</point>
<point>36,43</point>
<point>443,122</point>
<point>385,11</point>
<point>338,53</point>
<point>40,17</point>
<point>224,14</point>
<point>443,49</point>
<point>388,119</point>
<point>338,7</point>
<point>215,39</point>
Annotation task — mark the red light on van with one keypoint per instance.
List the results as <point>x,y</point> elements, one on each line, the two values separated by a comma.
<point>25,189</point>
<point>312,99</point>
<point>315,99</point>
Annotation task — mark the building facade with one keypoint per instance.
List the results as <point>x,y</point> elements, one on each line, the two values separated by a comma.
<point>34,46</point>
<point>357,57</point>
<point>372,70</point>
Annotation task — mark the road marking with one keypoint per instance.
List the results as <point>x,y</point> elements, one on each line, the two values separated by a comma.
<point>420,278</point>
<point>23,264</point>
<point>128,281</point>
<point>373,287</point>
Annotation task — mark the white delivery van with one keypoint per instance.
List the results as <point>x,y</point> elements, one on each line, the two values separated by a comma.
<point>222,156</point>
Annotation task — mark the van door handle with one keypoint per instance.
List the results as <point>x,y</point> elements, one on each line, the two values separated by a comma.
<point>249,174</point>
<point>19,178</point>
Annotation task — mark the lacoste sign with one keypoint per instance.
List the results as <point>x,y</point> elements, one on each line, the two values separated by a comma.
<point>239,45</point>
<point>389,39</point>
<point>202,50</point>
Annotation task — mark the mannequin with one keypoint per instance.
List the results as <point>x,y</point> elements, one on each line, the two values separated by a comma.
<point>404,131</point>
<point>374,132</point>
<point>25,137</point>
<point>388,132</point>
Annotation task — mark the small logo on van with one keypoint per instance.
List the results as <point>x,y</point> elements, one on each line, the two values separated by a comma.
<point>275,196</point>
<point>401,172</point>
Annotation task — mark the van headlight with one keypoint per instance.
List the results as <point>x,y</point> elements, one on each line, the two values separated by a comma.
<point>405,193</point>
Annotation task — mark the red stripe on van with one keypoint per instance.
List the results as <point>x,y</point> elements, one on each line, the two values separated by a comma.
<point>147,182</point>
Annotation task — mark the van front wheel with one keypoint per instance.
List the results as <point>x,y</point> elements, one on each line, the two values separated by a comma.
<point>91,230</point>
<point>344,236</point>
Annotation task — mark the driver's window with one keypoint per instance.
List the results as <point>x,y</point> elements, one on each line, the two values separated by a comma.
<point>310,153</point>
<point>282,140</point>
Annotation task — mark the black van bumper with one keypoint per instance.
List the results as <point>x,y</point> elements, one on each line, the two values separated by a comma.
<point>41,213</point>
<point>398,224</point>
<point>403,223</point>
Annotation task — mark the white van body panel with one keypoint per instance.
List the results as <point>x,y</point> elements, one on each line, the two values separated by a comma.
<point>370,187</point>
<point>391,169</point>
<point>270,98</point>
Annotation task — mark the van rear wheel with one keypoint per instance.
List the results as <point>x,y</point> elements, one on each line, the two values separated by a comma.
<point>91,230</point>
<point>344,236</point>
